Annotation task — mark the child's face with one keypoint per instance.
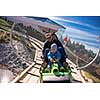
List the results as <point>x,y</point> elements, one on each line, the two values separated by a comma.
<point>53,50</point>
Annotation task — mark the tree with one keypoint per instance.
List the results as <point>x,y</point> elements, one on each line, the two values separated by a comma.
<point>69,43</point>
<point>97,60</point>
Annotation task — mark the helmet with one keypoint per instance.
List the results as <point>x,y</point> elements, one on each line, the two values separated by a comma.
<point>54,46</point>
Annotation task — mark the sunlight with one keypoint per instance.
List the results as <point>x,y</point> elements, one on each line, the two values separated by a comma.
<point>5,80</point>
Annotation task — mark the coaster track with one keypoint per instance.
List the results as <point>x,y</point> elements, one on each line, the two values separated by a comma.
<point>32,75</point>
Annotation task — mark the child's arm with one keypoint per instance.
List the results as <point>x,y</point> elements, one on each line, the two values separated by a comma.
<point>58,56</point>
<point>52,60</point>
<point>50,57</point>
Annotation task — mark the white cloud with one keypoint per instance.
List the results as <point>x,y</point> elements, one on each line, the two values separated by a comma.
<point>86,38</point>
<point>76,33</point>
<point>87,43</point>
<point>82,36</point>
<point>74,22</point>
<point>80,32</point>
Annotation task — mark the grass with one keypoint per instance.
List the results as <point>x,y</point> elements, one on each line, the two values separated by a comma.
<point>5,36</point>
<point>4,23</point>
<point>89,76</point>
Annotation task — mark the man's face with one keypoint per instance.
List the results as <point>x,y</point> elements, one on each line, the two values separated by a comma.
<point>48,35</point>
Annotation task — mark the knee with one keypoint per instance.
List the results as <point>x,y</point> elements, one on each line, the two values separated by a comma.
<point>59,48</point>
<point>47,50</point>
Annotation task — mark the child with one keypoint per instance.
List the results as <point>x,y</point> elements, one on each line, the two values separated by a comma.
<point>54,56</point>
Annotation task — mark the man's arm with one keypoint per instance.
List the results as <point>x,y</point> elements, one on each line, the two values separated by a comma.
<point>44,47</point>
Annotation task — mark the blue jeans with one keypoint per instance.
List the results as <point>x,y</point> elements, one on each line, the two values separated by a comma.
<point>45,54</point>
<point>60,49</point>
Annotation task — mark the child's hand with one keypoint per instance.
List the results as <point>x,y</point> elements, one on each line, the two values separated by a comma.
<point>51,59</point>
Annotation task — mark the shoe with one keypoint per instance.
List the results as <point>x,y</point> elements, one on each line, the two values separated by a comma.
<point>65,64</point>
<point>62,69</point>
<point>44,64</point>
<point>47,70</point>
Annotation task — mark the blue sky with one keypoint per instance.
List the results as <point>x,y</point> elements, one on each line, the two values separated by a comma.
<point>82,29</point>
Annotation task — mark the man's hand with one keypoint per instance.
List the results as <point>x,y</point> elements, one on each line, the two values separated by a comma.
<point>56,60</point>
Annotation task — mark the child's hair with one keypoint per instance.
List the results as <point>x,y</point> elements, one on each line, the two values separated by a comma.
<point>54,46</point>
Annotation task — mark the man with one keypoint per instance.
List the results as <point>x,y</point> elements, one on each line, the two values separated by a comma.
<point>52,38</point>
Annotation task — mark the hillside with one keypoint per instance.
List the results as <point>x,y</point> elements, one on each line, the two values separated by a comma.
<point>84,57</point>
<point>16,57</point>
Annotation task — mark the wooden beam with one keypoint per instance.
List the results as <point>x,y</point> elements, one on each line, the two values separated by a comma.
<point>23,73</point>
